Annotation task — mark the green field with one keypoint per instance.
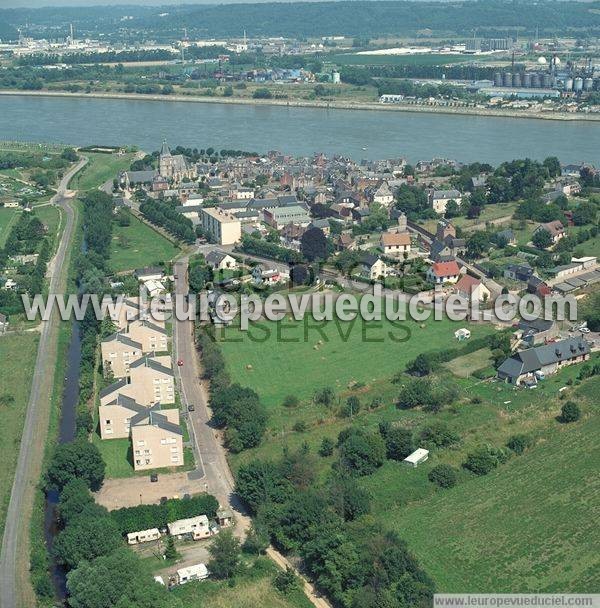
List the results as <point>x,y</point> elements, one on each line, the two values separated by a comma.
<point>530,526</point>
<point>17,353</point>
<point>7,218</point>
<point>138,245</point>
<point>252,589</point>
<point>100,169</point>
<point>355,59</point>
<point>294,362</point>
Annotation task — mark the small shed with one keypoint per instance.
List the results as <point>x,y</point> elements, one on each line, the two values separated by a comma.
<point>419,456</point>
<point>197,572</point>
<point>224,517</point>
<point>143,536</point>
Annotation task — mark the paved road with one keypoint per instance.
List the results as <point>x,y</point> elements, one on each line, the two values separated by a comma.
<point>210,454</point>
<point>208,449</point>
<point>15,540</point>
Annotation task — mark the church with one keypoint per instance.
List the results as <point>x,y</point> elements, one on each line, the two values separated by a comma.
<point>174,167</point>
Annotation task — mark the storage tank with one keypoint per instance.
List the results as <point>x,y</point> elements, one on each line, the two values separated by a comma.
<point>535,81</point>
<point>507,79</point>
<point>578,84</point>
<point>335,78</point>
<point>568,84</point>
<point>498,79</point>
<point>527,80</point>
<point>516,80</point>
<point>588,84</point>
<point>546,81</point>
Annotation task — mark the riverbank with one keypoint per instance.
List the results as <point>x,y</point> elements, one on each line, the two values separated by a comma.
<point>326,105</point>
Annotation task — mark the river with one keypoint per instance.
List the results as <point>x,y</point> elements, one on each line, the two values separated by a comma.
<point>299,131</point>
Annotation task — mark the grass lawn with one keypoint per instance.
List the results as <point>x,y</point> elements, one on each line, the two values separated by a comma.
<point>296,358</point>
<point>7,219</point>
<point>529,526</point>
<point>139,245</point>
<point>100,169</point>
<point>17,353</point>
<point>464,366</point>
<point>488,214</point>
<point>252,589</point>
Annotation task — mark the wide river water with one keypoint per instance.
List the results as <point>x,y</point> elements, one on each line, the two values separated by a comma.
<point>299,131</point>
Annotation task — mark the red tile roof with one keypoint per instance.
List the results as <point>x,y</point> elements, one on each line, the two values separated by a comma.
<point>445,269</point>
<point>467,283</point>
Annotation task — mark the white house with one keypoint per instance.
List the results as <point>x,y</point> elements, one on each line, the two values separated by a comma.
<point>443,272</point>
<point>219,260</point>
<point>472,289</point>
<point>439,199</point>
<point>419,456</point>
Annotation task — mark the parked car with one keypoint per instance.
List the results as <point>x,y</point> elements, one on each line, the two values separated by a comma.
<point>191,407</point>
<point>154,477</point>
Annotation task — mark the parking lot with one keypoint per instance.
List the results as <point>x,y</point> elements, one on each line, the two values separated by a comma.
<point>131,491</point>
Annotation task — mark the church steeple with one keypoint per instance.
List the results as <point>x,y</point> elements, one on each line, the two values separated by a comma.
<point>164,150</point>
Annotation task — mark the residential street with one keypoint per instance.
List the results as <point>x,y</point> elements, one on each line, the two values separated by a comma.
<point>14,556</point>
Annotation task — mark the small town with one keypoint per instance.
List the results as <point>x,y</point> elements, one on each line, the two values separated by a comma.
<point>299,304</point>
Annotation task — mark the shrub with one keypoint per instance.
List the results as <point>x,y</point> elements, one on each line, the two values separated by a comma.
<point>443,475</point>
<point>326,448</point>
<point>300,426</point>
<point>291,401</point>
<point>286,581</point>
<point>518,443</point>
<point>484,459</point>
<point>324,396</point>
<point>569,412</point>
<point>438,435</point>
<point>351,407</point>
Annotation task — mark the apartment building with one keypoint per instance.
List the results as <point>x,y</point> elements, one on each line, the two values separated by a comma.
<point>150,335</point>
<point>157,439</point>
<point>151,380</point>
<point>118,352</point>
<point>225,228</point>
<point>115,418</point>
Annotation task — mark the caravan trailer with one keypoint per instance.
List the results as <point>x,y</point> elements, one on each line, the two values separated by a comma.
<point>197,572</point>
<point>197,527</point>
<point>143,536</point>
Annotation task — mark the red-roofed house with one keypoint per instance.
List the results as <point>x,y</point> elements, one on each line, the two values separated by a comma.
<point>472,289</point>
<point>443,272</point>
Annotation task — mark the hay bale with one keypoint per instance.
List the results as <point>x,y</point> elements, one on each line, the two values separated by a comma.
<point>249,366</point>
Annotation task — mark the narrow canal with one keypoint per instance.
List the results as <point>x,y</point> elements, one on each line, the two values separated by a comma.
<point>67,430</point>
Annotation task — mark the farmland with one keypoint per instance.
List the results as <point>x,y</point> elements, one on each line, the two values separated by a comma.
<point>14,393</point>
<point>138,245</point>
<point>515,529</point>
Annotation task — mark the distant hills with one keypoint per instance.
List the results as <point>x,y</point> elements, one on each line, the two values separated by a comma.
<point>312,19</point>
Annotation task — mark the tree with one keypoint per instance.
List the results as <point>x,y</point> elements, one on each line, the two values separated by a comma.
<point>361,453</point>
<point>553,165</point>
<point>170,550</point>
<point>541,238</point>
<point>286,581</point>
<point>584,213</point>
<point>225,555</point>
<point>347,499</point>
<point>86,537</point>
<point>79,458</point>
<point>74,497</point>
<point>569,412</point>
<point>326,448</point>
<point>313,244</point>
<point>443,475</point>
<point>477,244</point>
<point>452,209</point>
<point>257,539</point>
<point>300,274</point>
<point>398,443</point>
